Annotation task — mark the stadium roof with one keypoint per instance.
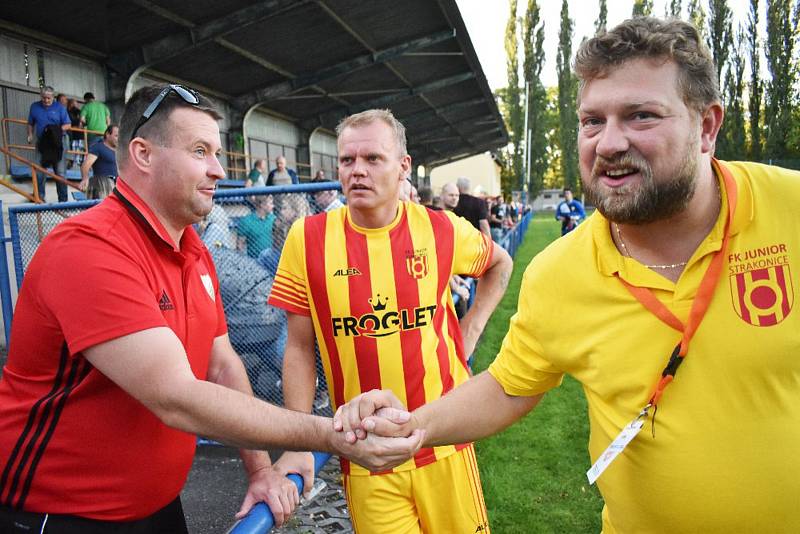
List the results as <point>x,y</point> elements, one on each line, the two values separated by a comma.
<point>313,61</point>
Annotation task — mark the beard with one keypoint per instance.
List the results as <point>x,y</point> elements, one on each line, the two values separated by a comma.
<point>653,198</point>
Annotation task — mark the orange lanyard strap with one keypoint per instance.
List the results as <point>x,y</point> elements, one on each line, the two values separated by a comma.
<point>701,301</point>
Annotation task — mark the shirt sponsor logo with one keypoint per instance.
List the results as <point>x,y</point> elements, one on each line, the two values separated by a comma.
<point>164,303</point>
<point>381,321</point>
<point>417,263</point>
<point>350,271</point>
<point>761,284</point>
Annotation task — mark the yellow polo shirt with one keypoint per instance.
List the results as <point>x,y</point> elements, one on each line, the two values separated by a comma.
<point>726,454</point>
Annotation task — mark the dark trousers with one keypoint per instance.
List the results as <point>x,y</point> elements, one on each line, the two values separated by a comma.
<point>168,520</point>
<point>58,168</point>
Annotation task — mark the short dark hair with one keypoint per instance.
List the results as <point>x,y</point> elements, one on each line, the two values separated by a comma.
<point>425,195</point>
<point>109,130</point>
<point>655,39</point>
<point>88,95</point>
<point>157,128</point>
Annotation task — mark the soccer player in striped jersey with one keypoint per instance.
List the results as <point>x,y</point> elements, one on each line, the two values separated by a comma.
<point>369,283</point>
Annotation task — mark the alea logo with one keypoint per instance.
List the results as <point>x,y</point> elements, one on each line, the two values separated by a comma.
<point>382,322</point>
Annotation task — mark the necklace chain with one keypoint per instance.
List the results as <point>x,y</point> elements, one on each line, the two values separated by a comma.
<point>627,253</point>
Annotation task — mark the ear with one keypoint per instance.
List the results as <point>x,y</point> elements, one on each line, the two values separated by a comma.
<point>140,154</point>
<point>405,165</point>
<point>711,122</point>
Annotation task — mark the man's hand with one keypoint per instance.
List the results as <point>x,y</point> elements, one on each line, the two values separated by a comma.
<point>268,485</point>
<point>378,453</point>
<point>299,463</point>
<point>378,411</point>
<point>30,138</point>
<point>84,184</point>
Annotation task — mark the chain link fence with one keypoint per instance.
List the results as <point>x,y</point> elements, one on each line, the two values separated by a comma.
<point>244,233</point>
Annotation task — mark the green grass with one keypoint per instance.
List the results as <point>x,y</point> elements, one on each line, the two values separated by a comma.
<point>533,473</point>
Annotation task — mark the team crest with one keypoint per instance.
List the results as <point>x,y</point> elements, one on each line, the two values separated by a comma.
<point>417,265</point>
<point>763,297</point>
<point>209,285</point>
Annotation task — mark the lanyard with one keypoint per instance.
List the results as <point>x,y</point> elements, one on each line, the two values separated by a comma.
<point>701,301</point>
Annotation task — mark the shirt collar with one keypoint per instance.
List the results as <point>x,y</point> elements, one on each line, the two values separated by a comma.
<point>190,241</point>
<point>610,261</point>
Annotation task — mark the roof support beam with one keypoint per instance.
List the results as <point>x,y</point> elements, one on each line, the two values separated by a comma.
<point>345,67</point>
<point>333,115</point>
<point>195,36</point>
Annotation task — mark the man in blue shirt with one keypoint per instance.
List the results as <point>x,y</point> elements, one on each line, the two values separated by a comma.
<point>570,212</point>
<point>50,143</point>
<point>102,159</point>
<point>282,175</point>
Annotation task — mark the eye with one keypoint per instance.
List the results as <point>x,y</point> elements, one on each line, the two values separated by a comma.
<point>345,160</point>
<point>590,122</point>
<point>200,152</point>
<point>643,116</point>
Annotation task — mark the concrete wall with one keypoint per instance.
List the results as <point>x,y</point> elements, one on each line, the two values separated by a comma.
<point>481,169</point>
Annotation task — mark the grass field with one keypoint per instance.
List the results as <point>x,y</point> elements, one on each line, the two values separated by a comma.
<point>533,473</point>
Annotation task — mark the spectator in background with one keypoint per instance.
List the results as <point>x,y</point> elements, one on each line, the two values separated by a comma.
<point>289,208</point>
<point>256,177</point>
<point>437,203</point>
<point>404,193</point>
<point>102,159</point>
<point>320,176</point>
<point>449,196</point>
<point>426,198</point>
<point>75,138</point>
<point>95,116</point>
<point>497,215</point>
<point>282,175</point>
<point>414,195</point>
<point>472,208</point>
<point>328,199</point>
<point>215,229</point>
<point>570,212</point>
<point>255,229</point>
<point>49,120</point>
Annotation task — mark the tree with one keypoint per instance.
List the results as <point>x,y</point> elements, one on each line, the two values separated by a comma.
<point>533,46</point>
<point>756,84</point>
<point>720,40</point>
<point>780,89</point>
<point>567,92</point>
<point>642,8</point>
<point>734,131</point>
<point>600,26</point>
<point>674,9</point>
<point>512,170</point>
<point>697,16</point>
<point>720,34</point>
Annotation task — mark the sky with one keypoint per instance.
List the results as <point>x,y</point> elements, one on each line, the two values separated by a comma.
<point>486,23</point>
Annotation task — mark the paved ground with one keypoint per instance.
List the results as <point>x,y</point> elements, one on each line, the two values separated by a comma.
<point>216,487</point>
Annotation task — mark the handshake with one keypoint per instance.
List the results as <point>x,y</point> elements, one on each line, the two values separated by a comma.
<point>376,431</point>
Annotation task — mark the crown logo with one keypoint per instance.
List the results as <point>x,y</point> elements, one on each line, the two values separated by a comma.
<point>378,304</point>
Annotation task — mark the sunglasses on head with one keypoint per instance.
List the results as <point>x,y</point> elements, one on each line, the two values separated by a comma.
<point>188,95</point>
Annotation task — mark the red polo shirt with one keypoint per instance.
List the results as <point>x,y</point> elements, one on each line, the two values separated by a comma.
<point>72,441</point>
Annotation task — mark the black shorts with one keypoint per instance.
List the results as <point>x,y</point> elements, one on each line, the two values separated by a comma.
<point>168,520</point>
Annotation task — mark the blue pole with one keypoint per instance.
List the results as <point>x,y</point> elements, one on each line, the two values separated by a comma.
<point>259,520</point>
<point>5,281</point>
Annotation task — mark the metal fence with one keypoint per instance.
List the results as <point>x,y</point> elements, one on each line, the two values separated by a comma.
<point>245,246</point>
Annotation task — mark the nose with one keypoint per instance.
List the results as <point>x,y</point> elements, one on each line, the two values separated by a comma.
<point>612,140</point>
<point>215,169</point>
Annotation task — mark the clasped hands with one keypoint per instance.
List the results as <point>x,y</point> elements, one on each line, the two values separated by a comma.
<point>376,431</point>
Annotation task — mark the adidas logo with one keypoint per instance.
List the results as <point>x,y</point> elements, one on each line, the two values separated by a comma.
<point>164,303</point>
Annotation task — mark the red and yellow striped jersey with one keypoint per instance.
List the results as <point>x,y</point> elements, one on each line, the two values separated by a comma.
<point>381,304</point>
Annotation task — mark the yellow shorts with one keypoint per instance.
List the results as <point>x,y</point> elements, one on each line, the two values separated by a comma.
<point>440,498</point>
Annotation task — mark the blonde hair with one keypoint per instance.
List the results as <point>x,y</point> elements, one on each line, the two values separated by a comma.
<point>370,116</point>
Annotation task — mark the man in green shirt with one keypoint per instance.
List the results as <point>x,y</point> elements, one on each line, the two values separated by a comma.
<point>94,116</point>
<point>255,229</point>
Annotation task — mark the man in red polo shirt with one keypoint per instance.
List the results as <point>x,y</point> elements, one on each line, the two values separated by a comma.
<point>109,380</point>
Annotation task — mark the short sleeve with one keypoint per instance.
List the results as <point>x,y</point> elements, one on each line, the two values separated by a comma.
<point>108,299</point>
<point>473,249</point>
<point>483,209</point>
<point>521,368</point>
<point>290,289</point>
